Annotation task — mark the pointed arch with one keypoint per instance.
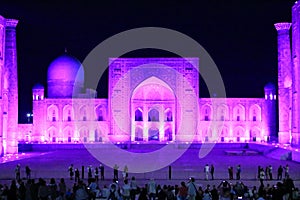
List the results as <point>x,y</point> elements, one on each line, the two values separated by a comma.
<point>207,134</point>
<point>168,115</point>
<point>255,113</point>
<point>138,114</point>
<point>138,133</point>
<point>238,133</point>
<point>68,113</point>
<point>206,112</point>
<point>153,88</point>
<point>153,115</point>
<point>168,133</point>
<point>223,132</point>
<point>52,113</point>
<point>84,134</point>
<point>153,134</point>
<point>100,113</point>
<point>68,134</point>
<point>239,113</point>
<point>223,113</point>
<point>83,113</point>
<point>255,133</point>
<point>52,134</point>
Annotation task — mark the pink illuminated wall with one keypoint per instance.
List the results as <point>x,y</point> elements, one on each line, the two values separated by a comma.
<point>156,87</point>
<point>151,100</point>
<point>295,126</point>
<point>284,82</point>
<point>8,86</point>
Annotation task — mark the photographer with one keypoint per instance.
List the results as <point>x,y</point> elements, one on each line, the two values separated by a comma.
<point>225,188</point>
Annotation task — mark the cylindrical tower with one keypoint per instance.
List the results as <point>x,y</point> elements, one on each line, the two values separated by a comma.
<point>284,82</point>
<point>296,74</point>
<point>270,114</point>
<point>11,85</point>
<point>39,113</point>
<point>2,44</point>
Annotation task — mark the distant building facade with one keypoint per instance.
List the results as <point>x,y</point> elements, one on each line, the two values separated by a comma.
<point>149,100</point>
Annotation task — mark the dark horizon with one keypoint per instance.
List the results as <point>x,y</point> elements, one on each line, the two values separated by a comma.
<point>239,36</point>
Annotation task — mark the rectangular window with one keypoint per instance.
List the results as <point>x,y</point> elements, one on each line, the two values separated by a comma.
<point>254,118</point>
<point>206,139</point>
<point>69,118</point>
<point>169,119</point>
<point>238,118</point>
<point>206,118</point>
<point>53,119</point>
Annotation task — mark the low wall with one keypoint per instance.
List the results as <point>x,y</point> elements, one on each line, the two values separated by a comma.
<point>23,147</point>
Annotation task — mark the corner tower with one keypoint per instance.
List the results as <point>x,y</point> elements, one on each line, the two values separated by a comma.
<point>284,82</point>
<point>270,114</point>
<point>39,110</point>
<point>296,75</point>
<point>2,45</point>
<point>10,87</point>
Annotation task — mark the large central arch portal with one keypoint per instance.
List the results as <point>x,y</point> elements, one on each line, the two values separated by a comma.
<point>153,107</point>
<point>153,99</point>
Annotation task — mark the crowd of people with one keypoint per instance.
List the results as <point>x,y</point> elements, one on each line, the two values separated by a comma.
<point>129,189</point>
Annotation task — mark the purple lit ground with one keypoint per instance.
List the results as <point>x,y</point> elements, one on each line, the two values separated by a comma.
<point>55,164</point>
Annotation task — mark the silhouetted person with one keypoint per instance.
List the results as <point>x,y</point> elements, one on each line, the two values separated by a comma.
<point>77,175</point>
<point>101,172</point>
<point>279,172</point>
<point>18,172</point>
<point>90,175</point>
<point>214,193</point>
<point>71,171</point>
<point>212,171</point>
<point>116,167</point>
<point>270,172</point>
<point>262,176</point>
<point>13,191</point>
<point>28,172</point>
<point>286,171</point>
<point>230,172</point>
<point>238,172</point>
<point>96,174</point>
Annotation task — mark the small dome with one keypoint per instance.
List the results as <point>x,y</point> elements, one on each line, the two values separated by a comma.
<point>38,86</point>
<point>65,68</point>
<point>269,86</point>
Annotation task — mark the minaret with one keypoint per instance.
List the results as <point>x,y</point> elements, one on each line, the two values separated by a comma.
<point>296,74</point>
<point>10,87</point>
<point>39,113</point>
<point>270,114</point>
<point>2,43</point>
<point>284,82</point>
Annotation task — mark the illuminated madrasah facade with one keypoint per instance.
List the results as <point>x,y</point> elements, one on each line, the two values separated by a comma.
<point>149,100</point>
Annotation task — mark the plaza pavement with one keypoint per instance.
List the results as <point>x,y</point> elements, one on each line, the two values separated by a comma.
<point>55,164</point>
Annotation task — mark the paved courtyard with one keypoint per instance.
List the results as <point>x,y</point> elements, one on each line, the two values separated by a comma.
<point>55,164</point>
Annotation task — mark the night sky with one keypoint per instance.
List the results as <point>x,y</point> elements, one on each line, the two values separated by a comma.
<point>239,35</point>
